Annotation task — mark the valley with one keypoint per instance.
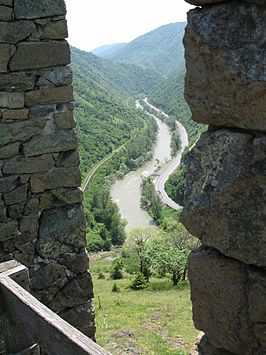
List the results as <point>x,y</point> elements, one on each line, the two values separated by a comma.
<point>133,128</point>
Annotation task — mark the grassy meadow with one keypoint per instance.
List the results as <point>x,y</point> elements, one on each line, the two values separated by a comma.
<point>157,320</point>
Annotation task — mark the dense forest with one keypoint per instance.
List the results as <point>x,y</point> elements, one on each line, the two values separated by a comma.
<point>120,79</point>
<point>169,96</point>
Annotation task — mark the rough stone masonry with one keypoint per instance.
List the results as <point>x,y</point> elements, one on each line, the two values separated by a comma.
<point>41,217</point>
<point>225,204</point>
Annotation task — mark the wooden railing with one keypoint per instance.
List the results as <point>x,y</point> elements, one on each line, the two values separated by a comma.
<point>28,326</point>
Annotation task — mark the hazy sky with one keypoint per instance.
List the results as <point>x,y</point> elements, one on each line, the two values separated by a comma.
<point>93,23</point>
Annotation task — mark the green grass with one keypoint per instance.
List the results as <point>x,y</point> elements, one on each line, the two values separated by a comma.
<point>157,320</point>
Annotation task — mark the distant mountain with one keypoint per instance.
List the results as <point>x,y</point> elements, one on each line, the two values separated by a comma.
<point>161,49</point>
<point>120,79</point>
<point>108,51</point>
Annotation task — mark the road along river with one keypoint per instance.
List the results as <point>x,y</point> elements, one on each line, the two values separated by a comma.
<point>127,192</point>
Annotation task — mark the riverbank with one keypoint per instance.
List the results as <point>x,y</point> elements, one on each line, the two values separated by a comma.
<point>127,191</point>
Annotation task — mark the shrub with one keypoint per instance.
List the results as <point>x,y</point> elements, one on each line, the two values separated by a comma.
<point>115,288</point>
<point>139,282</point>
<point>101,276</point>
<point>117,266</point>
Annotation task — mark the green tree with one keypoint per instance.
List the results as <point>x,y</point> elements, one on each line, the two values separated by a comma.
<point>150,201</point>
<point>164,257</point>
<point>134,250</point>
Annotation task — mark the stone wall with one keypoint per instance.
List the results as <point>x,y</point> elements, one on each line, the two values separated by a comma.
<point>41,217</point>
<point>225,203</point>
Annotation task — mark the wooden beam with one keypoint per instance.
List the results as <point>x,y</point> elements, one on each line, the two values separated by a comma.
<point>14,335</point>
<point>52,333</point>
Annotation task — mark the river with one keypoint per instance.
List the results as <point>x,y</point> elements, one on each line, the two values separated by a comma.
<point>126,192</point>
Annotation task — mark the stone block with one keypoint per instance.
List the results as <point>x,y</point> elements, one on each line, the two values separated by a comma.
<point>82,318</point>
<point>16,211</point>
<point>55,30</point>
<point>68,159</point>
<point>18,195</point>
<point>4,58</point>
<point>65,120</point>
<point>15,31</point>
<point>62,231</point>
<point>8,230</point>
<point>22,114</point>
<point>76,263</point>
<point>5,13</point>
<point>68,196</point>
<point>9,151</point>
<point>63,141</point>
<point>29,165</point>
<point>55,178</point>
<point>21,81</point>
<point>21,131</point>
<point>75,293</point>
<point>257,295</point>
<point>30,55</point>
<point>8,183</point>
<point>12,99</point>
<point>49,96</point>
<point>6,2</point>
<point>57,76</point>
<point>29,225</point>
<point>30,9</point>
<point>226,68</point>
<point>42,111</point>
<point>225,199</point>
<point>218,294</point>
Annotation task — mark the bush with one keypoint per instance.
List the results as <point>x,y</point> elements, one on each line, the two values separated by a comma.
<point>101,276</point>
<point>139,282</point>
<point>115,288</point>
<point>117,266</point>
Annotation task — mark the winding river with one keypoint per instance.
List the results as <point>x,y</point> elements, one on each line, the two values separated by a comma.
<point>127,193</point>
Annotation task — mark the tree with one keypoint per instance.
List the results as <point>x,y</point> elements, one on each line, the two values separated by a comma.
<point>150,201</point>
<point>117,267</point>
<point>134,250</point>
<point>164,257</point>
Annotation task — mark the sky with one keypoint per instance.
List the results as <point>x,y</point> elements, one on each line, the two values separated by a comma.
<point>93,23</point>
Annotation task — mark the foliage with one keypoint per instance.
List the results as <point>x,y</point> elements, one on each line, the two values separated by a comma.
<point>104,122</point>
<point>164,257</point>
<point>161,50</point>
<point>119,79</point>
<point>117,267</point>
<point>134,249</point>
<point>175,143</point>
<point>101,276</point>
<point>115,288</point>
<point>169,96</point>
<point>176,184</point>
<point>150,201</point>
<point>139,282</point>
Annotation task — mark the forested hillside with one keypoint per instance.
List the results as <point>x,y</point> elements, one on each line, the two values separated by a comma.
<point>108,50</point>
<point>103,121</point>
<point>120,79</point>
<point>161,50</point>
<point>169,96</point>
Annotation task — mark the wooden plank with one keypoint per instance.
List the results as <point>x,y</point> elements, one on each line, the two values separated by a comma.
<point>14,335</point>
<point>53,334</point>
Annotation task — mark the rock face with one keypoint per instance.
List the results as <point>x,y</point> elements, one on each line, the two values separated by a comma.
<point>225,200</point>
<point>226,68</point>
<point>42,223</point>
